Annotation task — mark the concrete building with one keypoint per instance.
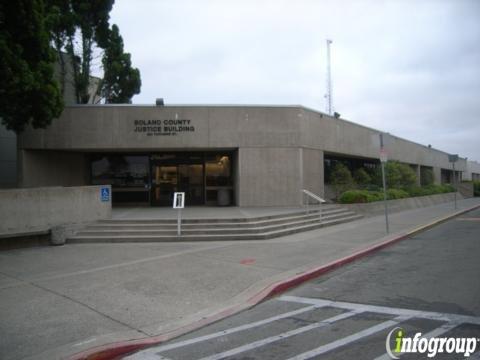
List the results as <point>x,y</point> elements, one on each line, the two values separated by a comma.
<point>218,155</point>
<point>8,158</point>
<point>472,172</point>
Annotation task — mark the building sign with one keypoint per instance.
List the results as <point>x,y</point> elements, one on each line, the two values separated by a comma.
<point>169,127</point>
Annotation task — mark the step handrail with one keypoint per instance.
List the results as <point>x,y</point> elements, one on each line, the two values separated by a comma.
<point>313,196</point>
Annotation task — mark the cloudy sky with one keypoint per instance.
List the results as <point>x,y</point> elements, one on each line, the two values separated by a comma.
<point>408,67</point>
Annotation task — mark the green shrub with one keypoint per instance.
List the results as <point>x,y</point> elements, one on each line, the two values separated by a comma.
<point>393,194</point>
<point>360,196</point>
<point>429,190</point>
<point>416,191</point>
<point>476,188</point>
<point>354,196</point>
<point>365,196</point>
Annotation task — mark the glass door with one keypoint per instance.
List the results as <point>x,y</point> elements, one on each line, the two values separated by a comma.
<point>190,181</point>
<point>169,178</point>
<point>164,184</point>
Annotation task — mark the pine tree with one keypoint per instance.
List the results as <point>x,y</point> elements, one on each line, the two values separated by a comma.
<point>120,81</point>
<point>28,92</point>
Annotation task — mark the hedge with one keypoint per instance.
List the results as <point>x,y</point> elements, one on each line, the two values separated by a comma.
<point>365,196</point>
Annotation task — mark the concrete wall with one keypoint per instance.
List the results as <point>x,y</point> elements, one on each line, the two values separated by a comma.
<point>39,209</point>
<point>52,168</point>
<point>109,127</point>
<point>269,176</point>
<point>8,158</point>
<point>313,175</point>
<point>472,172</point>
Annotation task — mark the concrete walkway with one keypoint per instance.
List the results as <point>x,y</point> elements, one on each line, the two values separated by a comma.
<point>57,301</point>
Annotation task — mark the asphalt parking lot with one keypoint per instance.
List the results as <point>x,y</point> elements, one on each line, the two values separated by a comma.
<point>428,284</point>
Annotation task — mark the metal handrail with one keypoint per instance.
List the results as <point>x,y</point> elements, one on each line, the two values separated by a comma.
<point>313,196</point>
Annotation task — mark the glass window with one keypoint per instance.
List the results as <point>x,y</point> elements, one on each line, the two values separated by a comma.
<point>120,171</point>
<point>218,170</point>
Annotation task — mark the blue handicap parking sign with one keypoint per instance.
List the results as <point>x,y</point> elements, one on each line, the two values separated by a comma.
<point>105,194</point>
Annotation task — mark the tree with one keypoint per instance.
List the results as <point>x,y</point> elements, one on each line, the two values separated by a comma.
<point>361,177</point>
<point>91,20</point>
<point>341,179</point>
<point>397,175</point>
<point>28,92</point>
<point>80,27</point>
<point>62,26</point>
<point>120,81</point>
<point>426,176</point>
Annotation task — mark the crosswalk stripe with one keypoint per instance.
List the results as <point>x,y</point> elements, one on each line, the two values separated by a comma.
<point>454,318</point>
<point>351,338</point>
<point>279,337</point>
<point>179,344</point>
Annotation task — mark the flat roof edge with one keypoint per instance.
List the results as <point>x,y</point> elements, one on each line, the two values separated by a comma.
<point>289,106</point>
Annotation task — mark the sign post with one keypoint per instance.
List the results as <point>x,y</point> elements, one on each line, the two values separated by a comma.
<point>383,160</point>
<point>453,159</point>
<point>179,204</point>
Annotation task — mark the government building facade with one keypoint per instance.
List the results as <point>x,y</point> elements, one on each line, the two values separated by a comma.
<point>217,154</point>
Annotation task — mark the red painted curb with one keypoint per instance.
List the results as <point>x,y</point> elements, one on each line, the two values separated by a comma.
<point>115,350</point>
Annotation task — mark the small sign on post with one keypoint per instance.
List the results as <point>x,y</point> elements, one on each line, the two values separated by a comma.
<point>178,200</point>
<point>179,204</point>
<point>383,155</point>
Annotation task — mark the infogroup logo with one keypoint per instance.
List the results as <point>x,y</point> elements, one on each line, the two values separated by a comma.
<point>431,346</point>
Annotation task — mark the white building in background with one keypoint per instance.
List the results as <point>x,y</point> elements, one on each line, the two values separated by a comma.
<point>472,172</point>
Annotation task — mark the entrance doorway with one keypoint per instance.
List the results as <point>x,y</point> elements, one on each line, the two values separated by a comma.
<point>206,177</point>
<point>170,178</point>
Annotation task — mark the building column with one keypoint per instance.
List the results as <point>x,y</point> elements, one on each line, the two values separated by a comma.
<point>416,168</point>
<point>437,175</point>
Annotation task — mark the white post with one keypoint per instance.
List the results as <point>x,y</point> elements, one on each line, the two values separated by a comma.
<point>179,222</point>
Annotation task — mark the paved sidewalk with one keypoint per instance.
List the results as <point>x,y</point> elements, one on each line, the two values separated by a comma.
<point>57,301</point>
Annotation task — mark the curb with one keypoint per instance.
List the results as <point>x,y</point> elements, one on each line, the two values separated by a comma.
<point>115,350</point>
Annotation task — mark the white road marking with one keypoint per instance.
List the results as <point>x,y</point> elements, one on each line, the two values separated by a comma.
<point>449,318</point>
<point>434,333</point>
<point>279,337</point>
<point>351,338</point>
<point>149,356</point>
<point>452,321</point>
<point>179,344</point>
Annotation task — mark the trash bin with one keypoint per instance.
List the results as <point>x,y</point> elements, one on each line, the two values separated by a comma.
<point>223,197</point>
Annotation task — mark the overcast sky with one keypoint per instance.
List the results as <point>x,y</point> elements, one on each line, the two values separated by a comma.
<point>408,67</point>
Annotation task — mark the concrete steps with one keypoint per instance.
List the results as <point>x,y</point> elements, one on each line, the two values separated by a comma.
<point>258,228</point>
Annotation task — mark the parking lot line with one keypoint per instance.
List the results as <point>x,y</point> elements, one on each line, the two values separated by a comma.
<point>449,318</point>
<point>351,338</point>
<point>224,332</point>
<point>282,336</point>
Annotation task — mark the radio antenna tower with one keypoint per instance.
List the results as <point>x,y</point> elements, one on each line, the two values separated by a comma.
<point>328,95</point>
